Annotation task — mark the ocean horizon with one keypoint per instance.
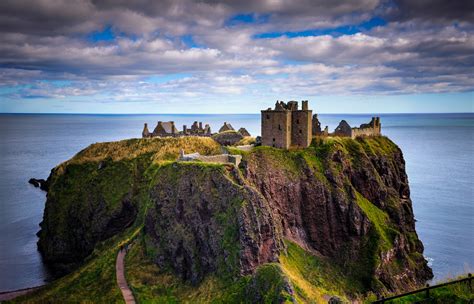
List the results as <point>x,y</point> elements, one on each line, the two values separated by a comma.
<point>438,150</point>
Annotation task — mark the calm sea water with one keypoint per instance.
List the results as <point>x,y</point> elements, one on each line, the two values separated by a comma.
<point>438,149</point>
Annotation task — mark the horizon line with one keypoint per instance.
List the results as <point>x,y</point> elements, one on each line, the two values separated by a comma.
<point>150,114</point>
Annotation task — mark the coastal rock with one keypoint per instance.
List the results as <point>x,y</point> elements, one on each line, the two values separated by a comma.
<point>350,206</point>
<point>41,183</point>
<point>343,200</point>
<point>202,220</point>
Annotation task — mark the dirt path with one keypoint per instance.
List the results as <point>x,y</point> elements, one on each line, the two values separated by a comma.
<point>121,281</point>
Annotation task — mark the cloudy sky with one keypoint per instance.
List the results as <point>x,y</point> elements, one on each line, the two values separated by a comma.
<point>183,56</point>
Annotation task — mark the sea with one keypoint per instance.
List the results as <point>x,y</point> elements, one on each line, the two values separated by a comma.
<point>438,149</point>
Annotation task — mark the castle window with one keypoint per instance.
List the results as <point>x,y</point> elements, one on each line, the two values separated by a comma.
<point>268,116</point>
<point>297,121</point>
<point>301,132</point>
<point>279,127</point>
<point>273,139</point>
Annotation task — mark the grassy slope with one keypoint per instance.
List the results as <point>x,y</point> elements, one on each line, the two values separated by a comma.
<point>452,294</point>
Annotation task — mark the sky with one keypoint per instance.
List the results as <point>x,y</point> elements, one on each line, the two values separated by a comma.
<point>209,56</point>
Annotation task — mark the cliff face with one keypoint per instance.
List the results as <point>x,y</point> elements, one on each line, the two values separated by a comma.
<point>344,201</point>
<point>348,200</point>
<point>204,219</point>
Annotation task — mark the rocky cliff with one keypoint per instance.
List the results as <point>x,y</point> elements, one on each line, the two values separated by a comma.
<point>340,207</point>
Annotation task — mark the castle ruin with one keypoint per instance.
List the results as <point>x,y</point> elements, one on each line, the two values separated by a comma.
<point>168,129</point>
<point>287,126</point>
<point>369,129</point>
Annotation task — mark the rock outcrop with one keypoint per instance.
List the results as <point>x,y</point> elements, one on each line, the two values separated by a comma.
<point>344,200</point>
<point>41,183</point>
<point>352,204</point>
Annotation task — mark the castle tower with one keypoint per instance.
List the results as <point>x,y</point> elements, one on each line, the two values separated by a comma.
<point>276,126</point>
<point>287,126</point>
<point>302,129</point>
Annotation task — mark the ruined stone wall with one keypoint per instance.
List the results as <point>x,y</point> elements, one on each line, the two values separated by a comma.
<point>222,158</point>
<point>356,132</point>
<point>276,128</point>
<point>301,128</point>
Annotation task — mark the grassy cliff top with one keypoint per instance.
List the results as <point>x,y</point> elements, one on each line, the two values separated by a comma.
<point>159,148</point>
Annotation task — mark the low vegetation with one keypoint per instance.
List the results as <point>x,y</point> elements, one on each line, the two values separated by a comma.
<point>158,148</point>
<point>457,293</point>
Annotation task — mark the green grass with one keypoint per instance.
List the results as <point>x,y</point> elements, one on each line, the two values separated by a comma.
<point>94,282</point>
<point>380,220</point>
<point>458,293</point>
<point>314,277</point>
<point>157,148</point>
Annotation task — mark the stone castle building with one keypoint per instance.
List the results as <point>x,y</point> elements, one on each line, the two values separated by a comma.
<point>168,129</point>
<point>286,125</point>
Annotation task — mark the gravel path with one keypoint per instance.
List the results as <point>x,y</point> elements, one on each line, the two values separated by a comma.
<point>121,280</point>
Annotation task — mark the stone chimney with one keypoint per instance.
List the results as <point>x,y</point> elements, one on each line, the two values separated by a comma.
<point>146,132</point>
<point>304,105</point>
<point>185,131</point>
<point>200,125</point>
<point>173,128</point>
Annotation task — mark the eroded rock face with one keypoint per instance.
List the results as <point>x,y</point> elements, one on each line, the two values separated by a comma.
<point>320,208</point>
<point>203,219</point>
<point>83,207</point>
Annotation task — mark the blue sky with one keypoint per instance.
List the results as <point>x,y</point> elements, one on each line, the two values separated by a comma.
<point>366,56</point>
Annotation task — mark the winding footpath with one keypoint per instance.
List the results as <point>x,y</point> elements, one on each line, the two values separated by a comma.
<point>121,281</point>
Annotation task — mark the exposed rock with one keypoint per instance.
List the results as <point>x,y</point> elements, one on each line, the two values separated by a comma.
<point>41,183</point>
<point>335,300</point>
<point>199,216</point>
<point>324,209</point>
